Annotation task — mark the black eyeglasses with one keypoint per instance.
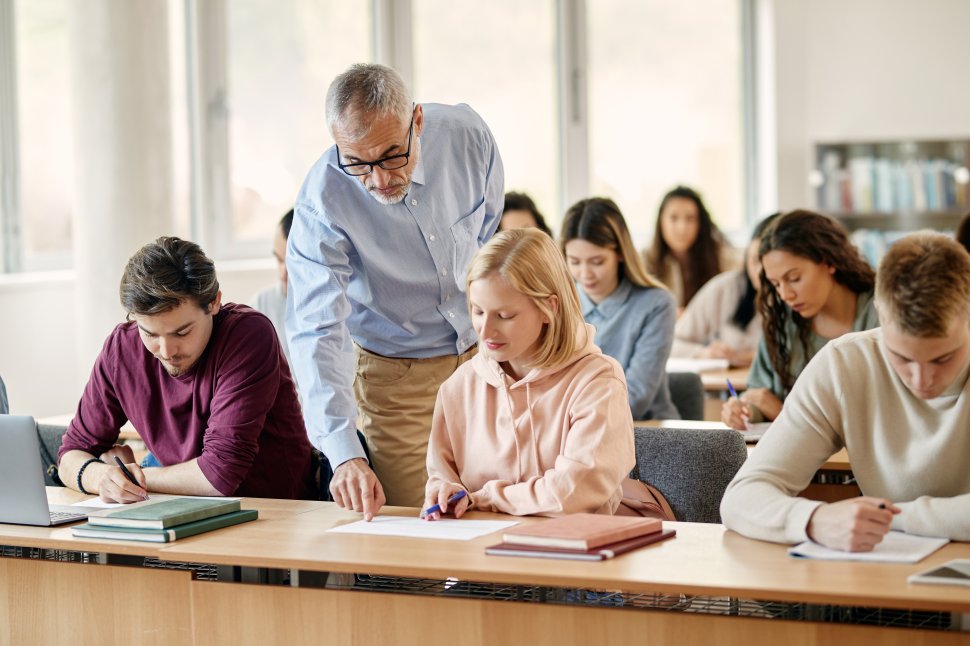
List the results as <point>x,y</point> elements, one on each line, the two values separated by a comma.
<point>387,163</point>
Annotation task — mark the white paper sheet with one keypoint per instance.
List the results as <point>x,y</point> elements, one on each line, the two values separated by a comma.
<point>896,547</point>
<point>684,364</point>
<point>446,529</point>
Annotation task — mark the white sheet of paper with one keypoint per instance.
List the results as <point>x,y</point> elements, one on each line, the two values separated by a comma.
<point>446,529</point>
<point>755,431</point>
<point>896,547</point>
<point>684,364</point>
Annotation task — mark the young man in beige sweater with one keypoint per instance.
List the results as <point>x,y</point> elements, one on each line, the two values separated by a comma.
<point>896,397</point>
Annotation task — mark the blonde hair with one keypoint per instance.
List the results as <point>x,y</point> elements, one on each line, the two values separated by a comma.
<point>529,261</point>
<point>923,283</point>
<point>598,220</point>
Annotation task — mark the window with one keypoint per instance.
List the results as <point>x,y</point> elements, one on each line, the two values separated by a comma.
<point>44,150</point>
<point>665,106</point>
<point>500,60</point>
<point>279,66</point>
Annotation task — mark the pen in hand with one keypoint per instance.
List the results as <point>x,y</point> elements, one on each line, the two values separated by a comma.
<point>128,474</point>
<point>734,394</point>
<point>437,508</point>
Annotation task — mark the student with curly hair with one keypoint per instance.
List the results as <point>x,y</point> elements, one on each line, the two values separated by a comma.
<point>815,286</point>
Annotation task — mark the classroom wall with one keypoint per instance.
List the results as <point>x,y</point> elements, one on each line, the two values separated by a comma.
<point>864,70</point>
<point>839,69</point>
<point>39,333</point>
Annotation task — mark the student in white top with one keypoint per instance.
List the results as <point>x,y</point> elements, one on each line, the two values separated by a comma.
<point>271,301</point>
<point>722,320</point>
<point>896,397</point>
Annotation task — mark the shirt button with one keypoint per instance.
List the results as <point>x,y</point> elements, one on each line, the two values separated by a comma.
<point>431,237</point>
<point>444,272</point>
<point>451,314</point>
<point>414,202</point>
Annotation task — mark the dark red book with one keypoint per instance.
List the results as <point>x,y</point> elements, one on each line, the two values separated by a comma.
<point>596,554</point>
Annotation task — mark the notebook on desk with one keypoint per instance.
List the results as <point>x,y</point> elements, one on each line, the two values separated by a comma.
<point>23,497</point>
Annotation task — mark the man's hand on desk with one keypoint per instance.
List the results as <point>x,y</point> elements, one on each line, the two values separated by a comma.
<point>354,486</point>
<point>853,525</point>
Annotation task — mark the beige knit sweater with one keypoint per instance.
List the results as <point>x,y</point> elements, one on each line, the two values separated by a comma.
<point>914,452</point>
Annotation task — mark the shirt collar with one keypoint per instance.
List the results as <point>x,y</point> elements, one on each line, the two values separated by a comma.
<point>609,305</point>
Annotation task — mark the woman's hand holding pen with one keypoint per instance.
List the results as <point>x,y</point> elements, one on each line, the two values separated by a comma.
<point>448,497</point>
<point>735,413</point>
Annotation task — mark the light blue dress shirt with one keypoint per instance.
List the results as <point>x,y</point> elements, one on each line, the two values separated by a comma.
<point>390,278</point>
<point>635,326</point>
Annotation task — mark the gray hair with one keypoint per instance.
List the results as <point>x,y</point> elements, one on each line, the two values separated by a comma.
<point>365,92</point>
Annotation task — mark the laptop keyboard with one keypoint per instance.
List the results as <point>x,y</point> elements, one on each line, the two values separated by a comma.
<point>61,516</point>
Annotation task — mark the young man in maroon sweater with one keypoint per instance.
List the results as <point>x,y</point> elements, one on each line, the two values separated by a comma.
<point>205,384</point>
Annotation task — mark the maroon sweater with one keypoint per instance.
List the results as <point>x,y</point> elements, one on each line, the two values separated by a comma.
<point>236,409</point>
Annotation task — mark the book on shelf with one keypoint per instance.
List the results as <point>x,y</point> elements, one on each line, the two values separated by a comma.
<point>167,513</point>
<point>600,553</point>
<point>87,530</point>
<point>581,531</point>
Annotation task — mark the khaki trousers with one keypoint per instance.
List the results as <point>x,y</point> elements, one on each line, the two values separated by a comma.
<point>396,400</point>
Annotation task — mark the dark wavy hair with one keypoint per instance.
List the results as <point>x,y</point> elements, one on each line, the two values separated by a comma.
<point>522,202</point>
<point>165,273</point>
<point>747,306</point>
<point>703,256</point>
<point>822,240</point>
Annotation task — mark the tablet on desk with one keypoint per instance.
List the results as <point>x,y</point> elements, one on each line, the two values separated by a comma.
<point>956,572</point>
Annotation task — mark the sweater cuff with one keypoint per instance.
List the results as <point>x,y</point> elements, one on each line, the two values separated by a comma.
<point>796,526</point>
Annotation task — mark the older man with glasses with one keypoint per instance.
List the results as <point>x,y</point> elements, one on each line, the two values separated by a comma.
<point>385,225</point>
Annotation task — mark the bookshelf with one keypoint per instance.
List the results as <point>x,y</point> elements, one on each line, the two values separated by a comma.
<point>893,185</point>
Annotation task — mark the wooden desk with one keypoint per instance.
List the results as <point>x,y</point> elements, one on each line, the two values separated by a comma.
<point>715,381</point>
<point>43,599</point>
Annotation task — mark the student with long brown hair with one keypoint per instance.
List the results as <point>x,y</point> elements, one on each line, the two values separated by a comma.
<point>815,286</point>
<point>687,249</point>
<point>633,314</point>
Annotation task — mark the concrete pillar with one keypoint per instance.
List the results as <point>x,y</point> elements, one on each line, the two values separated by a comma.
<point>123,142</point>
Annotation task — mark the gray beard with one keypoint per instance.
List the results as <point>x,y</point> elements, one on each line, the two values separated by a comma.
<point>387,201</point>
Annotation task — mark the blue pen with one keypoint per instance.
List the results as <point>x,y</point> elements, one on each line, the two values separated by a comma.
<point>731,389</point>
<point>433,508</point>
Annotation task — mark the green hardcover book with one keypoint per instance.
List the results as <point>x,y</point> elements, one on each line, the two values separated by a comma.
<point>167,513</point>
<point>87,530</point>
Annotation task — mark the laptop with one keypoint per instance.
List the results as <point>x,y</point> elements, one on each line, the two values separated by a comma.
<point>23,497</point>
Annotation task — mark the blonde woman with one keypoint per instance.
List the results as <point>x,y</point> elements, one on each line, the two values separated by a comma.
<point>537,422</point>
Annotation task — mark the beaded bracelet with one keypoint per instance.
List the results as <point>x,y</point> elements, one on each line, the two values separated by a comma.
<point>80,472</point>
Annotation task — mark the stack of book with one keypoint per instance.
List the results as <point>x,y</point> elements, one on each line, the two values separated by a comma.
<point>165,521</point>
<point>584,537</point>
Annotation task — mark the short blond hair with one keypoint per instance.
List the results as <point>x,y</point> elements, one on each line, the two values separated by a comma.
<point>923,283</point>
<point>529,261</point>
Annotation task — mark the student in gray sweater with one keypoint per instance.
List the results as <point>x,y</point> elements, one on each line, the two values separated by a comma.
<point>897,398</point>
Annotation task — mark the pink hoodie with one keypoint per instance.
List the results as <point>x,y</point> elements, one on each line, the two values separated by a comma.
<point>558,441</point>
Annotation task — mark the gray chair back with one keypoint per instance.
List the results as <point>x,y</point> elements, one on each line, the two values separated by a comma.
<point>690,467</point>
<point>687,394</point>
<point>50,436</point>
<point>4,404</point>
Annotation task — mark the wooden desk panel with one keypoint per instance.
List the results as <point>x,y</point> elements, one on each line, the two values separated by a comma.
<point>279,615</point>
<point>45,602</point>
<point>703,559</point>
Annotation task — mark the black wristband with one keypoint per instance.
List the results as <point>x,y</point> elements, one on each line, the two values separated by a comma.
<point>80,472</point>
